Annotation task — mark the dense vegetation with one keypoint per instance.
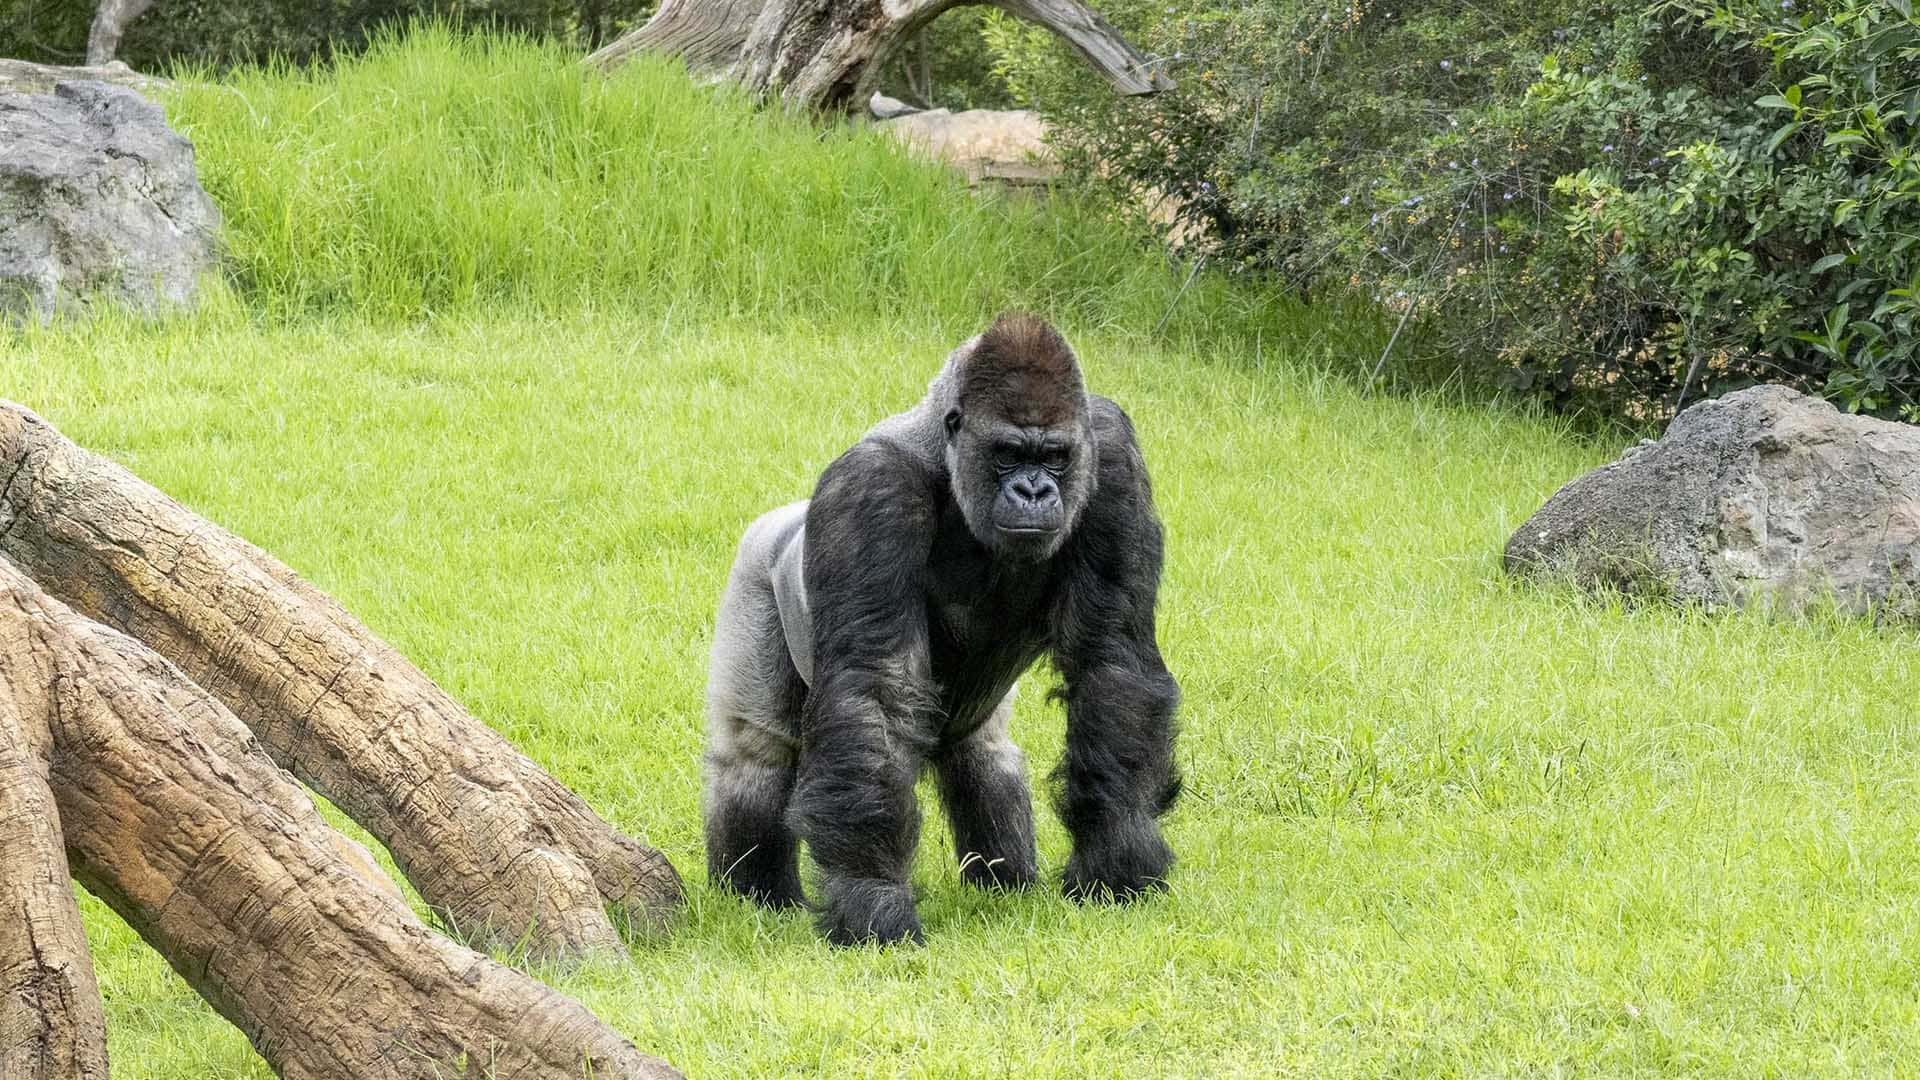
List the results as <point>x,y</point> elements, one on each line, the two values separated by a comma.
<point>1620,206</point>
<point>1614,209</point>
<point>512,355</point>
<point>551,190</point>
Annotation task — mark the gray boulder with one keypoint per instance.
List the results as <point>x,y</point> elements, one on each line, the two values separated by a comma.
<point>98,198</point>
<point>26,77</point>
<point>1763,496</point>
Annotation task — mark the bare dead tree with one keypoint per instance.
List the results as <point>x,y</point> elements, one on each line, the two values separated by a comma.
<point>110,22</point>
<point>818,54</point>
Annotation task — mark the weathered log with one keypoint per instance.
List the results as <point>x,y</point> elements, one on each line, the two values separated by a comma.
<point>51,1026</point>
<point>1097,42</point>
<point>825,55</point>
<point>502,851</point>
<point>174,816</point>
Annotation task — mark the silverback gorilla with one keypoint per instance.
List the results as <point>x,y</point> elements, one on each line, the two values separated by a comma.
<point>878,629</point>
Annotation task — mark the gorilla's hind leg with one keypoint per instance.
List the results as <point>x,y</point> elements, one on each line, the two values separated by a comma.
<point>754,696</point>
<point>983,786</point>
<point>750,849</point>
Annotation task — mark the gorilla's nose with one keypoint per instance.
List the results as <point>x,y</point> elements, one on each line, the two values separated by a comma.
<point>1032,489</point>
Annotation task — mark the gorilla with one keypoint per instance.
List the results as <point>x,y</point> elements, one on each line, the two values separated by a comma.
<point>878,629</point>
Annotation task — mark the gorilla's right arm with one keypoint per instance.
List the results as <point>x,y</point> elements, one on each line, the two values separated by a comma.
<point>872,713</point>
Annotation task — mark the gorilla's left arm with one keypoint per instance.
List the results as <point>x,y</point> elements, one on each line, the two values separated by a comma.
<point>1118,775</point>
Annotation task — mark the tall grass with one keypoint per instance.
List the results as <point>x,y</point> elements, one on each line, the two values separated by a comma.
<point>445,171</point>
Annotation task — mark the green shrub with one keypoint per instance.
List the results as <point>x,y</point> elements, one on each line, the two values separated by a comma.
<point>947,65</point>
<point>1608,206</point>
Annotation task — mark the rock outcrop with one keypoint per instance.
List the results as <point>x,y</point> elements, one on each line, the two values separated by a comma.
<point>98,199</point>
<point>1763,496</point>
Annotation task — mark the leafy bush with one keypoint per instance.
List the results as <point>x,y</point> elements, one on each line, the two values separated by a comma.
<point>947,65</point>
<point>1610,206</point>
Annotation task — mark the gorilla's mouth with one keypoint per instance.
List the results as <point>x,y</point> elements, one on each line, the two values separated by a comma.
<point>1027,540</point>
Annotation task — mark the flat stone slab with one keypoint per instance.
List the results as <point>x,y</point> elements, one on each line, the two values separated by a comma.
<point>1008,146</point>
<point>27,77</point>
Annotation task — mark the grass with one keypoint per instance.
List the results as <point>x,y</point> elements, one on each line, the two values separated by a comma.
<point>1437,824</point>
<point>448,172</point>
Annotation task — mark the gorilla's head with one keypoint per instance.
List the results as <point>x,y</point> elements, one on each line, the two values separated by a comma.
<point>1020,447</point>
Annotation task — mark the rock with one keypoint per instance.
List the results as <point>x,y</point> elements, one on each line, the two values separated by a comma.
<point>886,108</point>
<point>98,198</point>
<point>1763,496</point>
<point>1004,145</point>
<point>25,77</point>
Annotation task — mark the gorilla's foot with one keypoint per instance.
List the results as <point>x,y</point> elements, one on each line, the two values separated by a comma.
<point>780,892</point>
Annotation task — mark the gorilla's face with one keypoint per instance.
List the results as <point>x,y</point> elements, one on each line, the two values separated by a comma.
<point>1020,487</point>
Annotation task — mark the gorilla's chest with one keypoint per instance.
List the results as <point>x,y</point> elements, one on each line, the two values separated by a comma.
<point>988,620</point>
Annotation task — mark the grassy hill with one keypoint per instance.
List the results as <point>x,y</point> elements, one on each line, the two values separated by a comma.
<point>513,355</point>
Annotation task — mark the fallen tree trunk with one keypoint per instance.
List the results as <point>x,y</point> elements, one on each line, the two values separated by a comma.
<point>172,813</point>
<point>501,850</point>
<point>823,55</point>
<point>51,1027</point>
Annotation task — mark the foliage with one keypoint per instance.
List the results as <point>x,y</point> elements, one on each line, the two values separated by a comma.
<point>1806,211</point>
<point>203,33</point>
<point>947,65</point>
<point>1609,206</point>
<point>46,31</point>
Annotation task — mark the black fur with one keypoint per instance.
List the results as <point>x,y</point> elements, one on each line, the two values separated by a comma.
<point>991,815</point>
<point>920,626</point>
<point>751,848</point>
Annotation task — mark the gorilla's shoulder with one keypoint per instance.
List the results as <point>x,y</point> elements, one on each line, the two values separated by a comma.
<point>884,454</point>
<point>876,467</point>
<point>1109,419</point>
<point>1120,459</point>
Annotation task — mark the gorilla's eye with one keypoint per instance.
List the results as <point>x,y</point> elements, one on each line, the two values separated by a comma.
<point>1056,458</point>
<point>1006,457</point>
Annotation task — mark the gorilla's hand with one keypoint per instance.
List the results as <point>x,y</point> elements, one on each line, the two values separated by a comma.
<point>1119,860</point>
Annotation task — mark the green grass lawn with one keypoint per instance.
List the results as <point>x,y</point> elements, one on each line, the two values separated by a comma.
<point>1436,824</point>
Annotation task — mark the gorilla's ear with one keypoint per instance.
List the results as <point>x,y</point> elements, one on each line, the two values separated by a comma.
<point>953,422</point>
